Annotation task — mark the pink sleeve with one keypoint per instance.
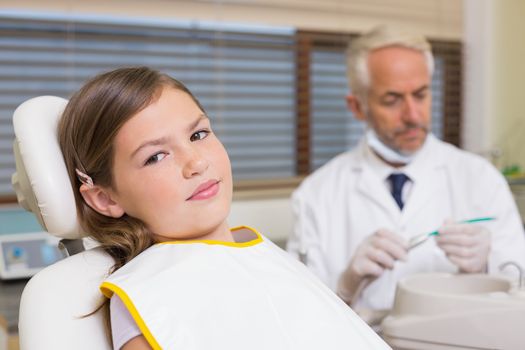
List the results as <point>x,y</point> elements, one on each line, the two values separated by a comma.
<point>123,327</point>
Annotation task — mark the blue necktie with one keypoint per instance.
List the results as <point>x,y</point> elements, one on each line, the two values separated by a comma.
<point>398,181</point>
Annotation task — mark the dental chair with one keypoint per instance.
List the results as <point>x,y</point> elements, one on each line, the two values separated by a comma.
<point>56,300</point>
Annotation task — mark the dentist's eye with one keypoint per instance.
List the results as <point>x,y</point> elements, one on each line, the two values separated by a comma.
<point>421,95</point>
<point>199,135</point>
<point>157,157</point>
<point>390,101</point>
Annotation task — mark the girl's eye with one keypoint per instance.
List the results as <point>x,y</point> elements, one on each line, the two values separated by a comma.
<point>199,135</point>
<point>157,157</point>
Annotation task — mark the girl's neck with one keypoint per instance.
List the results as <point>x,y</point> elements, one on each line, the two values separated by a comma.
<point>220,233</point>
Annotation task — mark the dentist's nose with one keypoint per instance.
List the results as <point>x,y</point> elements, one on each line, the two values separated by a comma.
<point>411,112</point>
<point>194,165</point>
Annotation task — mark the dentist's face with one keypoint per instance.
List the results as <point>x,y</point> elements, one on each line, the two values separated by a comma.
<point>171,171</point>
<point>399,98</point>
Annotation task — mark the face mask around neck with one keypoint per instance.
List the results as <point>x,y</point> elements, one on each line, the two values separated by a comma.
<point>384,151</point>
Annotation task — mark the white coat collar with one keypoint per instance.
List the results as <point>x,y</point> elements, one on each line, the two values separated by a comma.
<point>373,171</point>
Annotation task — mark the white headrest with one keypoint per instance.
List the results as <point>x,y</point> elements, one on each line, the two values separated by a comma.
<point>41,181</point>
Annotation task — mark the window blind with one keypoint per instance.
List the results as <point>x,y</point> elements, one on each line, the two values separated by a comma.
<point>334,127</point>
<point>243,77</point>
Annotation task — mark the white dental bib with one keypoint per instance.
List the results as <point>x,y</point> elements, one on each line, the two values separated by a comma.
<point>222,295</point>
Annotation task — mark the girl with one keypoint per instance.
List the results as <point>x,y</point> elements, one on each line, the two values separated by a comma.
<point>154,187</point>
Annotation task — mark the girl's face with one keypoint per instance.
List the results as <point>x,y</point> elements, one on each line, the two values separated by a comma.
<point>171,171</point>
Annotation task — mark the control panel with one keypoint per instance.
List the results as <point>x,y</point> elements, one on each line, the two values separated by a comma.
<point>25,248</point>
<point>24,254</point>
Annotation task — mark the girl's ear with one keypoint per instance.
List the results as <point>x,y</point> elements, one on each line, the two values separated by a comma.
<point>99,199</point>
<point>354,104</point>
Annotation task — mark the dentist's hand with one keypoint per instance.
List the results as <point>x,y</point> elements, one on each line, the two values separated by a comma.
<point>375,254</point>
<point>466,245</point>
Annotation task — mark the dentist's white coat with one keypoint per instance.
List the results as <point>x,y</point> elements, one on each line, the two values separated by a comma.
<point>345,201</point>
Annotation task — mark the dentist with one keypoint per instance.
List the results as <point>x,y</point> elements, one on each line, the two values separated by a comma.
<point>354,216</point>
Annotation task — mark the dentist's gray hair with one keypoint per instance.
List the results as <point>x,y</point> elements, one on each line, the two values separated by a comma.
<point>377,38</point>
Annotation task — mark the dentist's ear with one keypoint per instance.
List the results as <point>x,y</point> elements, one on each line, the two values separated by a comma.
<point>355,105</point>
<point>100,200</point>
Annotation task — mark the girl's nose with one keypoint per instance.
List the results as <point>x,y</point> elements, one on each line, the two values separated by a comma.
<point>195,165</point>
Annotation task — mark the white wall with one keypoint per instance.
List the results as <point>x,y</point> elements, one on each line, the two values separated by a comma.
<point>435,18</point>
<point>270,216</point>
<point>508,76</point>
<point>477,63</point>
<point>494,103</point>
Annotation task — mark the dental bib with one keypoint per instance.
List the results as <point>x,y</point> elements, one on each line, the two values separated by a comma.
<point>222,295</point>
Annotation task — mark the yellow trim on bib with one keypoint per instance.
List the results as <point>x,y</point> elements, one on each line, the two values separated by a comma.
<point>108,288</point>
<point>251,243</point>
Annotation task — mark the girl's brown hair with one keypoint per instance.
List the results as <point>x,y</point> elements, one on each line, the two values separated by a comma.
<point>86,133</point>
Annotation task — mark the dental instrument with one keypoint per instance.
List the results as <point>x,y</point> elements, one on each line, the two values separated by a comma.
<point>420,239</point>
